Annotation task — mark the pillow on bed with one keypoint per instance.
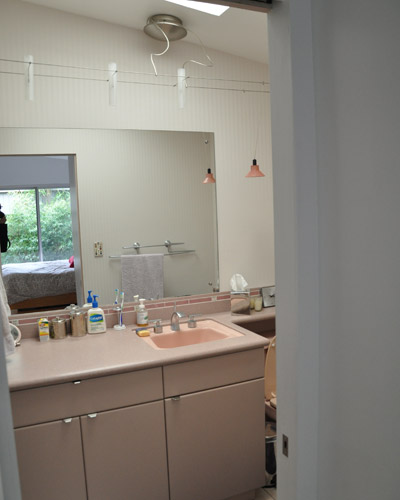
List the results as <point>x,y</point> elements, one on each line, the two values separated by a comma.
<point>71,261</point>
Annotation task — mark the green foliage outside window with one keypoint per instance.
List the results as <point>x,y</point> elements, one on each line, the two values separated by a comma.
<point>55,221</point>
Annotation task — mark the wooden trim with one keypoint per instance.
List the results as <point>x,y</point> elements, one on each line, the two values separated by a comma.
<point>43,302</point>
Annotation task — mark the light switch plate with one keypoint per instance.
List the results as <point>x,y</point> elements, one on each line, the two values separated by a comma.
<point>98,249</point>
<point>268,296</point>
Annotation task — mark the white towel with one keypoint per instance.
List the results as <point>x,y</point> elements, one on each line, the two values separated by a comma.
<point>5,312</point>
<point>143,275</point>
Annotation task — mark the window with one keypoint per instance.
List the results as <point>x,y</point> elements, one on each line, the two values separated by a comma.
<point>39,224</point>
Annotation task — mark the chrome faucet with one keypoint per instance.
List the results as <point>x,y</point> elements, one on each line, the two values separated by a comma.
<point>175,326</point>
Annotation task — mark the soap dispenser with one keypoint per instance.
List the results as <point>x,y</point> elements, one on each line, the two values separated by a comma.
<point>96,319</point>
<point>142,314</point>
<point>89,301</point>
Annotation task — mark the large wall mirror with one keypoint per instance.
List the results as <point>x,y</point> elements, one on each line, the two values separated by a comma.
<point>125,186</point>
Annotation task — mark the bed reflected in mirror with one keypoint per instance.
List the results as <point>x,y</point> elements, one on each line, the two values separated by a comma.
<point>38,263</point>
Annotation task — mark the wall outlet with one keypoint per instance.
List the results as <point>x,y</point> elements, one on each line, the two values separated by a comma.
<point>98,249</point>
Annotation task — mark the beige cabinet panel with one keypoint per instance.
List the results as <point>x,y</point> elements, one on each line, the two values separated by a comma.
<point>50,461</point>
<point>125,453</point>
<point>216,442</point>
<point>53,402</point>
<point>208,373</point>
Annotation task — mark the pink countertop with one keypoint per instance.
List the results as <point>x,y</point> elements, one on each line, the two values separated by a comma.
<point>36,364</point>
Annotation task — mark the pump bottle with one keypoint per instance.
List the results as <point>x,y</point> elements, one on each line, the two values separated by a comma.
<point>96,320</point>
<point>142,314</point>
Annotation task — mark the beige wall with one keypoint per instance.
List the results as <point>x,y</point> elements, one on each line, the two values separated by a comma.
<point>245,223</point>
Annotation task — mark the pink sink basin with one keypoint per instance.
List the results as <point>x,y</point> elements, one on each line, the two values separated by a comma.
<point>206,331</point>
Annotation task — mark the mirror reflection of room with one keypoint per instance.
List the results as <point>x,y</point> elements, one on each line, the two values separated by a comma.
<point>153,193</point>
<point>37,263</point>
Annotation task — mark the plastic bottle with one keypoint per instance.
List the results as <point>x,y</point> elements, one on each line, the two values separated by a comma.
<point>89,301</point>
<point>96,320</point>
<point>142,314</point>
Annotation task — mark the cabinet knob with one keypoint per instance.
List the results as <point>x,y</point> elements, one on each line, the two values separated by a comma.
<point>67,420</point>
<point>176,398</point>
<point>76,382</point>
<point>92,415</point>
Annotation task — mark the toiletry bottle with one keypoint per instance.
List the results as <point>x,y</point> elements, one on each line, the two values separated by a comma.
<point>142,314</point>
<point>96,321</point>
<point>89,301</point>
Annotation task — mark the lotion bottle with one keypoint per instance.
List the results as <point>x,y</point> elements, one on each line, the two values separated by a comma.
<point>142,314</point>
<point>96,320</point>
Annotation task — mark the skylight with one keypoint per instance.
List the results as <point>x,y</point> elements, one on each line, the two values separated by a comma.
<point>209,8</point>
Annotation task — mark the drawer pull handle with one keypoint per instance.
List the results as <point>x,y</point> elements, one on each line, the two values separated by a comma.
<point>92,415</point>
<point>76,382</point>
<point>176,398</point>
<point>67,420</point>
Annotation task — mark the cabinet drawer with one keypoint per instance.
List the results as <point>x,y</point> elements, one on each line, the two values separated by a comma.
<point>201,374</point>
<point>32,406</point>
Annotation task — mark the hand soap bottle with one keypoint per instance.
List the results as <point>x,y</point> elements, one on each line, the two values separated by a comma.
<point>89,301</point>
<point>142,314</point>
<point>96,320</point>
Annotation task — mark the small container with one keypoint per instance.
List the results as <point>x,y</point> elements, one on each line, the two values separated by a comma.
<point>78,321</point>
<point>59,328</point>
<point>44,329</point>
<point>240,302</point>
<point>258,303</point>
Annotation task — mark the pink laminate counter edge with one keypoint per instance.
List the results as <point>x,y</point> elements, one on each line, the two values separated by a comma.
<point>36,364</point>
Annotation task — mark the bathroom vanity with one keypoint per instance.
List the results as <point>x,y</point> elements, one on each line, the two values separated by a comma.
<point>108,416</point>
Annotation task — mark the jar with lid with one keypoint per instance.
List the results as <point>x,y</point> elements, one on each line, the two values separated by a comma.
<point>78,323</point>
<point>59,330</point>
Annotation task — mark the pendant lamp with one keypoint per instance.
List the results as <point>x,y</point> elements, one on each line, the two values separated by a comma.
<point>209,177</point>
<point>255,170</point>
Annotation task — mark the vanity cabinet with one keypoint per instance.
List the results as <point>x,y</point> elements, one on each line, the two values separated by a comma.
<point>215,435</point>
<point>125,453</point>
<point>192,429</point>
<point>215,445</point>
<point>69,448</point>
<point>50,461</point>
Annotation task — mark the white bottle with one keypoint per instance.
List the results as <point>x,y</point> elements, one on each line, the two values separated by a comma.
<point>142,314</point>
<point>96,320</point>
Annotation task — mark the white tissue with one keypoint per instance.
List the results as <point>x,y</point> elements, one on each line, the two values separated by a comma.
<point>238,283</point>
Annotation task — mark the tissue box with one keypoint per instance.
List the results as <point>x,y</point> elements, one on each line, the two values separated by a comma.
<point>240,302</point>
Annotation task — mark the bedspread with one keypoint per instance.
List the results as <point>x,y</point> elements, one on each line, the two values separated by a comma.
<point>31,280</point>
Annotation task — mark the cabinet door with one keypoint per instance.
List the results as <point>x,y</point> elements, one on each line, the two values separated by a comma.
<point>216,442</point>
<point>125,453</point>
<point>50,461</point>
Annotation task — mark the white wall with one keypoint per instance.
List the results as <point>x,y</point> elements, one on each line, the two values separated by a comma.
<point>357,93</point>
<point>353,377</point>
<point>245,221</point>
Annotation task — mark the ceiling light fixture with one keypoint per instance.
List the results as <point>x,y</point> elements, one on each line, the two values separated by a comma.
<point>208,8</point>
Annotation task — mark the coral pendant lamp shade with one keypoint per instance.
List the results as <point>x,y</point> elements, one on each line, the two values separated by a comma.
<point>209,177</point>
<point>255,170</point>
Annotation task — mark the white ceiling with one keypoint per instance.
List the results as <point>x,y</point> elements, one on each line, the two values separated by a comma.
<point>238,31</point>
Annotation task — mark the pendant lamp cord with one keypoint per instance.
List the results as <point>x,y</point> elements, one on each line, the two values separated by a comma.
<point>210,63</point>
<point>161,53</point>
<point>255,149</point>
